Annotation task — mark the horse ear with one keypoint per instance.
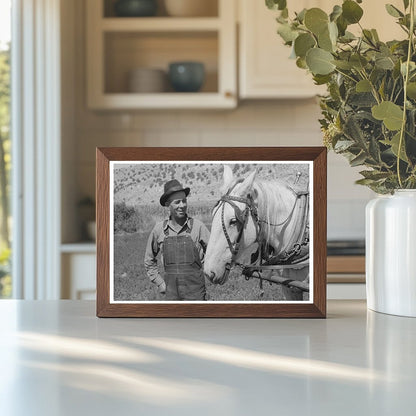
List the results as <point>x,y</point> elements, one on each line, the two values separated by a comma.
<point>246,186</point>
<point>228,178</point>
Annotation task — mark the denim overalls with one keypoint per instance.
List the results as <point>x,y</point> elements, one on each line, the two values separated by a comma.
<point>183,269</point>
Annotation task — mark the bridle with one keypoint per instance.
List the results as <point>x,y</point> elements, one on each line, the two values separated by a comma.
<point>242,217</point>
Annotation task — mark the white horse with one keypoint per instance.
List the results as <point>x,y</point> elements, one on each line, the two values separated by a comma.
<point>252,212</point>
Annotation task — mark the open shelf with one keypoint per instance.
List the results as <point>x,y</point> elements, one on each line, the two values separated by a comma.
<point>116,46</point>
<point>127,51</point>
<point>160,24</point>
<point>209,9</point>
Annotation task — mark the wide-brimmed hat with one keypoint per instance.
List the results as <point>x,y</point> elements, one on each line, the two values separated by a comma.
<point>170,188</point>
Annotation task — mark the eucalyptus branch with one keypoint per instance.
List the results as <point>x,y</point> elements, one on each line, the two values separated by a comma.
<point>373,88</point>
<point>406,79</point>
<point>346,75</point>
<point>392,91</point>
<point>398,95</point>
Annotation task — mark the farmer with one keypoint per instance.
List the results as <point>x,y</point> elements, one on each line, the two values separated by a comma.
<point>183,241</point>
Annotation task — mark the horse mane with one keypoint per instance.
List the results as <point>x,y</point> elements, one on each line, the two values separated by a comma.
<point>273,206</point>
<point>274,203</point>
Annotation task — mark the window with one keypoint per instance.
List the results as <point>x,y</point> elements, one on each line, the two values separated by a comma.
<point>5,147</point>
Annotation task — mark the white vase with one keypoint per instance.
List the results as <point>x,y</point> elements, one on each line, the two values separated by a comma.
<point>391,253</point>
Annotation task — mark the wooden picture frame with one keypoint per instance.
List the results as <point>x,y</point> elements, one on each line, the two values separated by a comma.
<point>113,163</point>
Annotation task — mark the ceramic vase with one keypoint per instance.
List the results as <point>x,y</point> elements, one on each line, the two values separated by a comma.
<point>391,253</point>
<point>135,8</point>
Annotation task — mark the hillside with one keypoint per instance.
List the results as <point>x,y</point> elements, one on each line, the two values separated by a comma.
<point>138,184</point>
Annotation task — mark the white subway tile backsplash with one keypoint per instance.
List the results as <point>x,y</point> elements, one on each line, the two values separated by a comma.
<point>156,119</point>
<point>230,138</point>
<point>170,138</point>
<point>88,140</point>
<point>98,120</point>
<point>196,120</point>
<point>346,219</point>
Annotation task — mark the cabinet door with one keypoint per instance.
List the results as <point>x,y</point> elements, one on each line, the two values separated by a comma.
<point>265,68</point>
<point>78,276</point>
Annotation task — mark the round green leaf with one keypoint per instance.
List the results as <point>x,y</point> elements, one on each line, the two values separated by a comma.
<point>411,90</point>
<point>301,63</point>
<point>358,61</point>
<point>336,12</point>
<point>363,86</point>
<point>351,11</point>
<point>303,43</point>
<point>344,65</point>
<point>287,33</point>
<point>391,114</point>
<point>394,143</point>
<point>276,4</point>
<point>301,15</point>
<point>342,25</point>
<point>325,42</point>
<point>393,11</point>
<point>333,32</point>
<point>316,20</point>
<point>384,62</point>
<point>319,61</point>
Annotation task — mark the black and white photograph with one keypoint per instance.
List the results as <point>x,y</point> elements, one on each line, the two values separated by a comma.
<point>211,231</point>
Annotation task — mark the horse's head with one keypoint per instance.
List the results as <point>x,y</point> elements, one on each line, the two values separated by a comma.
<point>233,228</point>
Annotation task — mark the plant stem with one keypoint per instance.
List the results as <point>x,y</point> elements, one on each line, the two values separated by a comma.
<point>373,88</point>
<point>406,79</point>
<point>346,75</point>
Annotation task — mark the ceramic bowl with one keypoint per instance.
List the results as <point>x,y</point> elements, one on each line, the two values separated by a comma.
<point>135,8</point>
<point>147,80</point>
<point>186,76</point>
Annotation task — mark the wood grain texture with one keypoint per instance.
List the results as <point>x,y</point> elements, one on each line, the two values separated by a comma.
<point>319,229</point>
<point>103,231</point>
<point>317,309</point>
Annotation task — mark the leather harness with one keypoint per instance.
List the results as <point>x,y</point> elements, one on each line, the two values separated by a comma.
<point>296,251</point>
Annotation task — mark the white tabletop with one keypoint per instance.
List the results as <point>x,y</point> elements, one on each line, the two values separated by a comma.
<point>57,358</point>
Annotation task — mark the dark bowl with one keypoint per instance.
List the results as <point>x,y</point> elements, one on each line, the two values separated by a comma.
<point>135,8</point>
<point>186,76</point>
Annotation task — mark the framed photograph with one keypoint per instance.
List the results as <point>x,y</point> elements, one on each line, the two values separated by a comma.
<point>211,232</point>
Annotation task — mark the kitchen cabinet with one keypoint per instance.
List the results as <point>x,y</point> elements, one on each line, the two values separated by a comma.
<point>346,277</point>
<point>265,70</point>
<point>118,45</point>
<point>78,262</point>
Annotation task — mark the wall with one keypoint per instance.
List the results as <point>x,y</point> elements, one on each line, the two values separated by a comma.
<point>253,123</point>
